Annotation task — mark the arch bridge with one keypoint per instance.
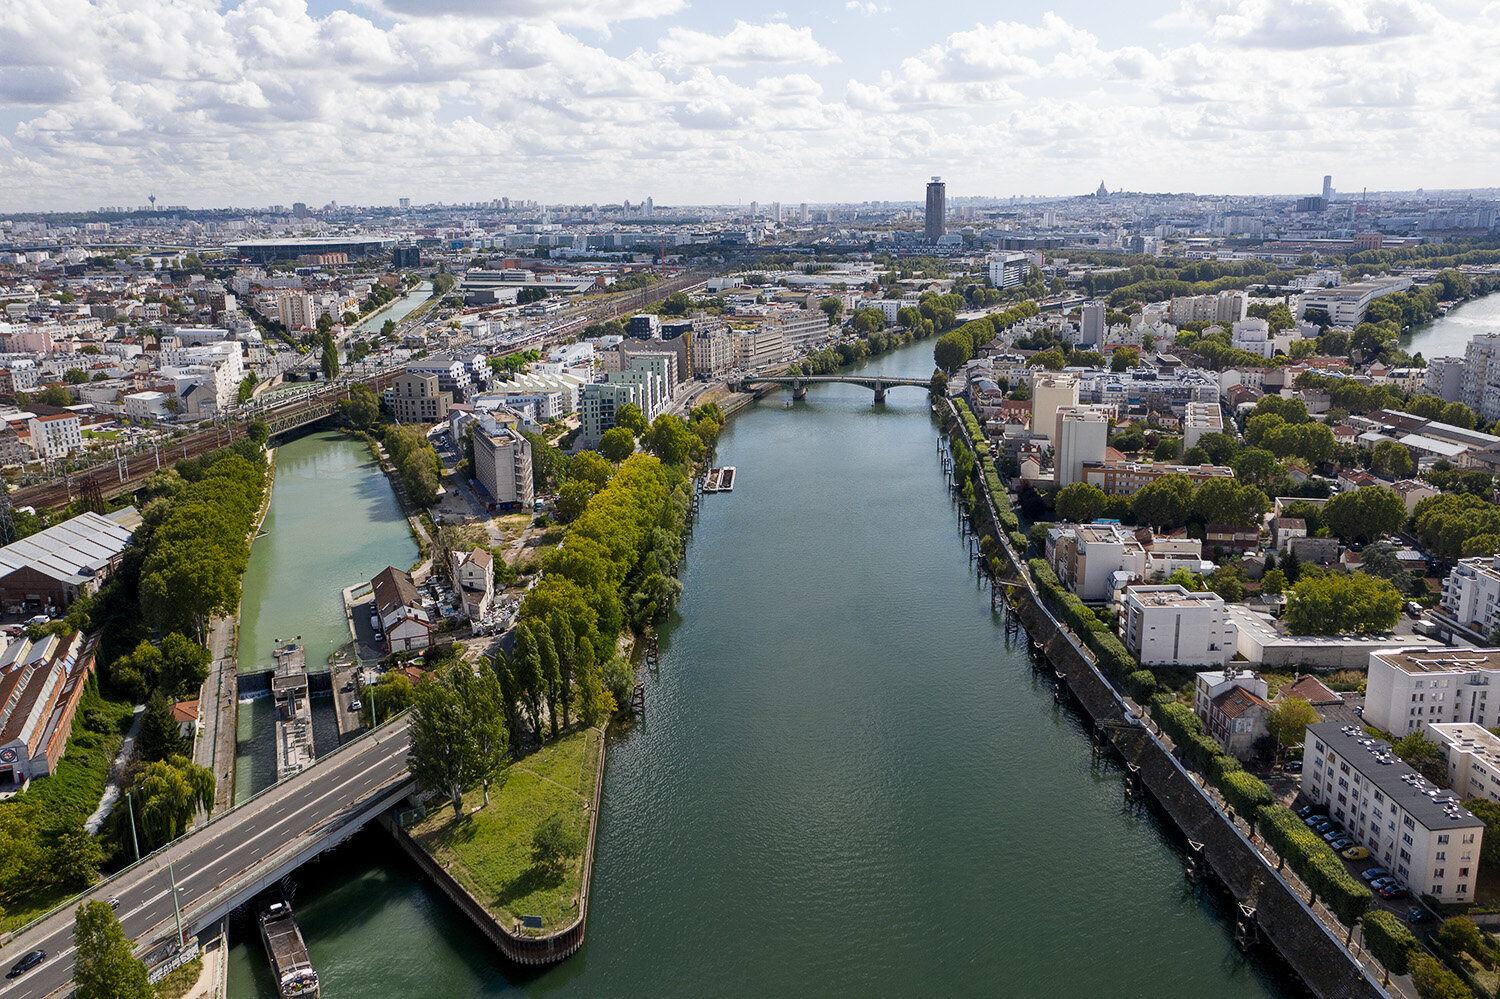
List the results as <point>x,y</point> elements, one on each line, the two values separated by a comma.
<point>799,383</point>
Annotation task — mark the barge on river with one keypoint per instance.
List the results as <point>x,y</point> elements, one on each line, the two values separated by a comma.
<point>296,978</point>
<point>719,480</point>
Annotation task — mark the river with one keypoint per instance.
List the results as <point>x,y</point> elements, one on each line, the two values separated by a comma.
<point>398,311</point>
<point>847,782</point>
<point>333,521</point>
<point>1449,336</point>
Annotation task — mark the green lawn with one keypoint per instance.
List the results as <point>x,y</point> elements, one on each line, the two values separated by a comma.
<point>489,850</point>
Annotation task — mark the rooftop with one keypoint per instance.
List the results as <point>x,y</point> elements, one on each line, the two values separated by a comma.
<point>1441,660</point>
<point>1170,595</point>
<point>1434,807</point>
<point>1470,738</point>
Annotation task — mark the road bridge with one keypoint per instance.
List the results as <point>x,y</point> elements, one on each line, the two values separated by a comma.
<point>799,383</point>
<point>226,862</point>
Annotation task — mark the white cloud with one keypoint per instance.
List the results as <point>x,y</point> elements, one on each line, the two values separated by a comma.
<point>745,44</point>
<point>868,8</point>
<point>1307,24</point>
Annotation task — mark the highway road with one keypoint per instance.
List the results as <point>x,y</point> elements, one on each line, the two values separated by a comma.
<point>214,854</point>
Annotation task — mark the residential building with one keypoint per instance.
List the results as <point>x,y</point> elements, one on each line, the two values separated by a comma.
<point>713,353</point>
<point>1007,270</point>
<point>416,398</point>
<point>454,375</point>
<point>1081,435</point>
<point>474,580</point>
<point>1090,558</point>
<point>56,436</point>
<point>802,328</point>
<point>1200,418</point>
<point>1125,478</point>
<point>1285,529</point>
<point>1412,492</point>
<point>1445,378</point>
<point>1091,325</point>
<point>48,570</point>
<point>502,463</point>
<point>1408,688</point>
<point>1419,832</point>
<point>1481,376</point>
<point>756,347</point>
<point>1471,596</point>
<point>1049,393</point>
<point>1253,336</point>
<point>1346,304</point>
<point>41,683</point>
<point>1169,625</point>
<point>1234,709</point>
<point>403,617</point>
<point>1472,753</point>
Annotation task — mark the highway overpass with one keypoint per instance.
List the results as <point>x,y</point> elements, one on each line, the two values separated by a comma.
<point>229,860</point>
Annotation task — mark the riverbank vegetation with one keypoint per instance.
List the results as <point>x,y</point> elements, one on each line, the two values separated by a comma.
<point>524,854</point>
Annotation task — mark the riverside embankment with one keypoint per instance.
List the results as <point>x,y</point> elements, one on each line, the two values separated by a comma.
<point>1271,909</point>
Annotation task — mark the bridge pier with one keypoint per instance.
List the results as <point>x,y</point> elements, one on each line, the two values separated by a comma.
<point>799,389</point>
<point>879,392</point>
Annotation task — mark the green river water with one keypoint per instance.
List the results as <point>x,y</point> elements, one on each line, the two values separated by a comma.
<point>847,782</point>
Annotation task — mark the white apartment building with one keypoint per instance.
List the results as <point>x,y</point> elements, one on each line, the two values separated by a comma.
<point>1086,557</point>
<point>220,364</point>
<point>800,329</point>
<point>1471,595</point>
<point>1225,307</point>
<point>712,353</point>
<point>56,436</point>
<point>1481,376</point>
<point>1420,832</point>
<point>1172,626</point>
<point>1200,418</point>
<point>1091,325</point>
<point>1049,393</point>
<point>1007,270</point>
<point>1081,434</point>
<point>296,310</point>
<point>1253,336</point>
<point>1346,305</point>
<point>502,463</point>
<point>1409,688</point>
<point>1473,756</point>
<point>1445,378</point>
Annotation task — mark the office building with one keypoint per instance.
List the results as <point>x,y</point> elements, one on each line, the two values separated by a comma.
<point>1327,187</point>
<point>1346,304</point>
<point>1408,688</point>
<point>1169,625</point>
<point>1416,830</point>
<point>934,226</point>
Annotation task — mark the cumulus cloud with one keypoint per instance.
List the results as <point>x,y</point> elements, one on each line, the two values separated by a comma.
<point>1307,24</point>
<point>774,42</point>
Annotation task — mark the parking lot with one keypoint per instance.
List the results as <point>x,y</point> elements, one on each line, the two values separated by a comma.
<point>1395,896</point>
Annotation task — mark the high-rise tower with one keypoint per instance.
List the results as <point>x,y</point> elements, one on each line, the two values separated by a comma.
<point>937,210</point>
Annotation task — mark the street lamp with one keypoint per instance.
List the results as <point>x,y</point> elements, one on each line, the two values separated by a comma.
<point>130,807</point>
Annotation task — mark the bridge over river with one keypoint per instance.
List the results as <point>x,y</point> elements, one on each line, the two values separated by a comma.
<point>226,862</point>
<point>799,383</point>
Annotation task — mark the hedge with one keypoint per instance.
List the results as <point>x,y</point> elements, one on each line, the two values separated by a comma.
<point>1315,863</point>
<point>1142,685</point>
<point>1388,939</point>
<point>1433,981</point>
<point>1246,794</point>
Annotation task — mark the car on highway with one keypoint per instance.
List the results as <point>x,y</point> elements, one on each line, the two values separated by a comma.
<point>26,963</point>
<point>113,903</point>
<point>1374,873</point>
<point>1355,853</point>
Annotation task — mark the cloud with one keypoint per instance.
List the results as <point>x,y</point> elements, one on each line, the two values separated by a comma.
<point>1308,24</point>
<point>867,8</point>
<point>745,44</point>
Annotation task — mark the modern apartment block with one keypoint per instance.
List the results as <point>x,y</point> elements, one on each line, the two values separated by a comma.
<point>1198,419</point>
<point>1413,687</point>
<point>1086,557</point>
<point>1412,828</point>
<point>1471,596</point>
<point>502,463</point>
<point>1473,756</point>
<point>1445,378</point>
<point>1081,435</point>
<point>1124,478</point>
<point>416,398</point>
<point>1481,376</point>
<point>1169,625</point>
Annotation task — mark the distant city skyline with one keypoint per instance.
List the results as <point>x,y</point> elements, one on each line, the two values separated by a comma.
<point>369,101</point>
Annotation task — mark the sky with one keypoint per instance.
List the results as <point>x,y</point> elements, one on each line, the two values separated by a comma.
<point>689,102</point>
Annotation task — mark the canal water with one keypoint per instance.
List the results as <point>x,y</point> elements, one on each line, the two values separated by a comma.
<point>398,311</point>
<point>1449,336</point>
<point>847,782</point>
<point>333,521</point>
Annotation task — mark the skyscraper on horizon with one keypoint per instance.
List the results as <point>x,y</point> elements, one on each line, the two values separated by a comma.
<point>937,210</point>
<point>1327,186</point>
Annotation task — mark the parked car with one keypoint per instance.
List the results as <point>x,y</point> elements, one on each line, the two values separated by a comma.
<point>1420,915</point>
<point>1374,873</point>
<point>1341,844</point>
<point>1292,766</point>
<point>1380,884</point>
<point>1333,833</point>
<point>1314,821</point>
<point>1393,891</point>
<point>26,963</point>
<point>1355,853</point>
<point>354,705</point>
<point>1308,811</point>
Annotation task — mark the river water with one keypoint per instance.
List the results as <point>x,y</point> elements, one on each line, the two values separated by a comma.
<point>1449,336</point>
<point>847,782</point>
<point>398,311</point>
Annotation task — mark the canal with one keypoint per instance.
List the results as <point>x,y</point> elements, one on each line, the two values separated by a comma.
<point>846,782</point>
<point>398,310</point>
<point>333,521</point>
<point>1449,336</point>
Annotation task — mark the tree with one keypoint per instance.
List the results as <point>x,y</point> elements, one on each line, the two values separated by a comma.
<point>1124,358</point>
<point>1257,466</point>
<point>670,439</point>
<point>1433,981</point>
<point>1289,720</point>
<point>159,737</point>
<point>1423,755</point>
<point>75,376</point>
<point>1389,941</point>
<point>1164,502</point>
<point>1228,501</point>
<point>258,432</point>
<point>1080,502</point>
<point>1052,360</point>
<point>1335,605</point>
<point>1390,460</point>
<point>832,308</point>
<point>486,735</point>
<point>55,395</point>
<point>76,857</point>
<point>1273,582</point>
<point>247,388</point>
<point>1460,934</point>
<point>555,842</point>
<point>590,468</point>
<point>526,668</point>
<point>617,444</point>
<point>362,408</point>
<point>440,757</point>
<point>631,418</point>
<point>952,351</point>
<point>170,792</point>
<point>1380,559</point>
<point>594,702</point>
<point>104,965</point>
<point>329,363</point>
<point>1364,514</point>
<point>676,304</point>
<point>184,665</point>
<point>1458,415</point>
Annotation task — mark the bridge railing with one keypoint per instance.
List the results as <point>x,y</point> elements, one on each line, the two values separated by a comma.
<point>213,820</point>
